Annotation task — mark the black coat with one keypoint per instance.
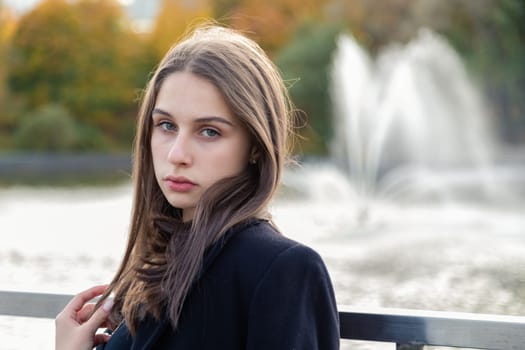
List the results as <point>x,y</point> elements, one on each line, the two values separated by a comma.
<point>258,290</point>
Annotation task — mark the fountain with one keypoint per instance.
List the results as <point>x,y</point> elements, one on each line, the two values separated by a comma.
<point>411,124</point>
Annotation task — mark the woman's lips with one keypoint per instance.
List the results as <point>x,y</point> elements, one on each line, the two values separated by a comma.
<point>179,184</point>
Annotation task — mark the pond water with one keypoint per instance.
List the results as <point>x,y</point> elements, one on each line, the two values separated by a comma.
<point>435,255</point>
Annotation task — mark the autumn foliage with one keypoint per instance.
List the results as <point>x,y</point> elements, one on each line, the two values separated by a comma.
<point>84,58</point>
<point>173,20</point>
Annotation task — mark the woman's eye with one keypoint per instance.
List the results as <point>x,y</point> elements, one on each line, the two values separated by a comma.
<point>167,126</point>
<point>210,132</point>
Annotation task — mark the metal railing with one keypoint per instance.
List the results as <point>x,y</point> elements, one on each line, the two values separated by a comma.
<point>408,329</point>
<point>413,329</point>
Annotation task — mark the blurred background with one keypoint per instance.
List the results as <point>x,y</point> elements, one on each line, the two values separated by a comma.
<point>411,140</point>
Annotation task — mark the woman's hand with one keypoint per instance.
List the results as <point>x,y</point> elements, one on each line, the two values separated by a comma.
<point>76,326</point>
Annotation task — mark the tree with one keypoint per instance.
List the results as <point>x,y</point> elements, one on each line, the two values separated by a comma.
<point>3,49</point>
<point>499,58</point>
<point>490,35</point>
<point>273,22</point>
<point>84,56</point>
<point>49,129</point>
<point>43,53</point>
<point>8,103</point>
<point>112,66</point>
<point>173,20</point>
<point>306,64</point>
<point>6,24</point>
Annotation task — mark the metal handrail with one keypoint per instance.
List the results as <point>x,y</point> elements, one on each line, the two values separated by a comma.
<point>27,304</point>
<point>413,329</point>
<point>409,329</point>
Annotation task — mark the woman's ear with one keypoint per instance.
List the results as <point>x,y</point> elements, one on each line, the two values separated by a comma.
<point>254,155</point>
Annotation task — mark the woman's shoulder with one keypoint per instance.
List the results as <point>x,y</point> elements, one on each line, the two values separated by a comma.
<point>260,243</point>
<point>262,235</point>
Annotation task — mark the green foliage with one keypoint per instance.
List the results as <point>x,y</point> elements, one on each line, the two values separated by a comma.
<point>4,100</point>
<point>40,53</point>
<point>89,138</point>
<point>51,128</point>
<point>10,105</point>
<point>306,64</point>
<point>492,40</point>
<point>222,9</point>
<point>2,55</point>
<point>504,66</point>
<point>82,55</point>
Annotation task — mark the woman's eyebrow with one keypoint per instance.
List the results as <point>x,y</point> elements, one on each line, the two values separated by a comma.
<point>214,119</point>
<point>201,120</point>
<point>160,111</point>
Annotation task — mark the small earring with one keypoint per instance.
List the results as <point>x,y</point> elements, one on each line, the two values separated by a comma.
<point>253,161</point>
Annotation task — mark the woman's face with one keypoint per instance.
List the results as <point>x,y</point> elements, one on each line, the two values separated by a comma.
<point>196,140</point>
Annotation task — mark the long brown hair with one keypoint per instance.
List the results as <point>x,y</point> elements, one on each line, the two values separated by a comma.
<point>164,255</point>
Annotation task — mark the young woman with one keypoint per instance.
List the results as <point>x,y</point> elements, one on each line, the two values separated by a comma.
<point>204,267</point>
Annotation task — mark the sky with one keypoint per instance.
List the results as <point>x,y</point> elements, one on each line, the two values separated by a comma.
<point>21,6</point>
<point>141,12</point>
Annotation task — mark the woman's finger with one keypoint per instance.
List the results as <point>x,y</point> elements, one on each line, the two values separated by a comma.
<point>80,299</point>
<point>84,313</point>
<point>70,310</point>
<point>100,316</point>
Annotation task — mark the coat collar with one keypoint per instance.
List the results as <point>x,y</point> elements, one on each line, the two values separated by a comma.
<point>215,249</point>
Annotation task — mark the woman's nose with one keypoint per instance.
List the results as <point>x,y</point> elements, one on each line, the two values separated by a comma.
<point>180,150</point>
